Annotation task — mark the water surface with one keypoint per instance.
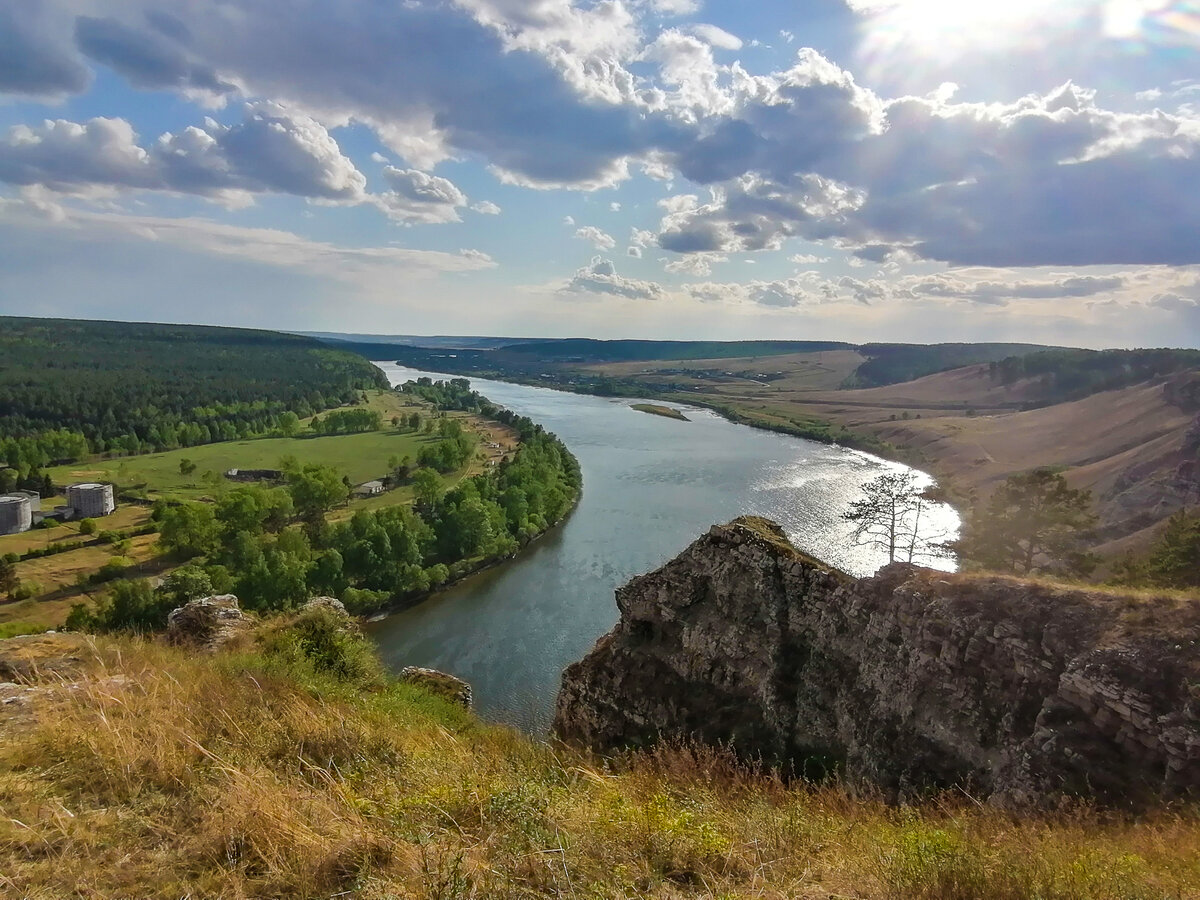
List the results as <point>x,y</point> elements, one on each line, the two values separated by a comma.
<point>651,485</point>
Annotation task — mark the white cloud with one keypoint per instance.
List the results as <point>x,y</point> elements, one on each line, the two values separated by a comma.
<point>269,151</point>
<point>698,264</point>
<point>599,239</point>
<point>486,208</point>
<point>420,198</point>
<point>716,37</point>
<point>363,266</point>
<point>600,277</point>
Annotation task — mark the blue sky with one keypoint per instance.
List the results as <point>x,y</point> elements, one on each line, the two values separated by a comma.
<point>918,170</point>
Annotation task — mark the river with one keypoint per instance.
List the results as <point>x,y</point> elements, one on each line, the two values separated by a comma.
<point>651,485</point>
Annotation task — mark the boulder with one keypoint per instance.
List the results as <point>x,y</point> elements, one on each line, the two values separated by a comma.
<point>208,623</point>
<point>448,687</point>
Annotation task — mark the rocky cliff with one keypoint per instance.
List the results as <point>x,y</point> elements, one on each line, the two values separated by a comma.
<point>1021,692</point>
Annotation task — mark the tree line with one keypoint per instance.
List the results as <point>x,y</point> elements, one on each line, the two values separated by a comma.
<point>275,548</point>
<point>1065,375</point>
<point>69,388</point>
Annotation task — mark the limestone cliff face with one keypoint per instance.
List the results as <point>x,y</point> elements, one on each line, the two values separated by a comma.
<point>913,679</point>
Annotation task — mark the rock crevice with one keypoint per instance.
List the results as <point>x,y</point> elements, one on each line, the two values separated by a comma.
<point>1023,692</point>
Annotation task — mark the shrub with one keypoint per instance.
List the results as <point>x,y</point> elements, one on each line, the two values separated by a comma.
<point>326,641</point>
<point>87,526</point>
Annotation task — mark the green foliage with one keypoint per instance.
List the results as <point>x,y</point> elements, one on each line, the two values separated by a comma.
<point>326,641</point>
<point>1173,561</point>
<point>188,529</point>
<point>427,487</point>
<point>9,581</point>
<point>16,629</point>
<point>347,421</point>
<point>1071,374</point>
<point>255,508</point>
<point>87,526</point>
<point>131,606</point>
<point>1034,520</point>
<point>315,489</point>
<point>65,385</point>
<point>184,584</point>
<point>896,363</point>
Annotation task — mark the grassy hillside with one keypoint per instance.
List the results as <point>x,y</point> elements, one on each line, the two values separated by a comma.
<point>260,773</point>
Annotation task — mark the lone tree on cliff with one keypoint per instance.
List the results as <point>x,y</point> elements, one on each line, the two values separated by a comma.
<point>888,515</point>
<point>1033,520</point>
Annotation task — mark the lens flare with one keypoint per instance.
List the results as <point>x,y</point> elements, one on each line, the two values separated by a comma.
<point>898,34</point>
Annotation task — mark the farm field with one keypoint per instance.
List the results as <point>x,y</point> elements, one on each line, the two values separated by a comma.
<point>361,457</point>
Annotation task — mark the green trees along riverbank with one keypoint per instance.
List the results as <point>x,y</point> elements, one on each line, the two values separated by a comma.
<point>274,548</point>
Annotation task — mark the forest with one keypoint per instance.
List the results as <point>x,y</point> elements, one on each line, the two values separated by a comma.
<point>274,547</point>
<point>1073,374</point>
<point>69,388</point>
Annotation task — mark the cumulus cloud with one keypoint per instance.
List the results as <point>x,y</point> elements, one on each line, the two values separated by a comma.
<point>599,239</point>
<point>699,264</point>
<point>269,151</point>
<point>486,208</point>
<point>560,94</point>
<point>600,277</point>
<point>420,198</point>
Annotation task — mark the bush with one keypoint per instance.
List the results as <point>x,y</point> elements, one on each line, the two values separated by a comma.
<point>114,568</point>
<point>87,526</point>
<point>325,641</point>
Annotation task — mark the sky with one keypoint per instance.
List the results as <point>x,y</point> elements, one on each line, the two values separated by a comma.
<point>859,170</point>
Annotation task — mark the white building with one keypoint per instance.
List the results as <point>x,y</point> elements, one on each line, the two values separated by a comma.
<point>91,500</point>
<point>369,489</point>
<point>16,514</point>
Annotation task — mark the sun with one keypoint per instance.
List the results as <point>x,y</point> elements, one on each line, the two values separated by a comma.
<point>954,26</point>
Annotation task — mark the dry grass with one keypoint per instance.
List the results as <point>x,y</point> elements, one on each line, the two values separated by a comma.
<point>169,776</point>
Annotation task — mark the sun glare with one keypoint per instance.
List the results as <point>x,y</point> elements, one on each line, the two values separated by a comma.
<point>957,25</point>
<point>905,37</point>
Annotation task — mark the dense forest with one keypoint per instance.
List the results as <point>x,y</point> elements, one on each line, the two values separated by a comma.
<point>69,387</point>
<point>274,548</point>
<point>1073,374</point>
<point>897,363</point>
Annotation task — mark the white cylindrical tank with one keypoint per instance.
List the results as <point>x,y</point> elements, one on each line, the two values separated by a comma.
<point>16,515</point>
<point>90,500</point>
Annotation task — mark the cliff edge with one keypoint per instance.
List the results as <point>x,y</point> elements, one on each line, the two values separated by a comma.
<point>1020,692</point>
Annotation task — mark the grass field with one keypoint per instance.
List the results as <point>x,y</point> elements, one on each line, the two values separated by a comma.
<point>154,772</point>
<point>361,457</point>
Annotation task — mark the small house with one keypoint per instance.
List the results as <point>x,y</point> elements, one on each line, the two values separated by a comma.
<point>369,489</point>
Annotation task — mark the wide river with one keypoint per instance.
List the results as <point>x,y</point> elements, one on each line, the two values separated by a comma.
<point>651,485</point>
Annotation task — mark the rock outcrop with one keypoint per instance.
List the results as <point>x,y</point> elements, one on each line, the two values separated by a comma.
<point>1021,692</point>
<point>441,684</point>
<point>208,623</point>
